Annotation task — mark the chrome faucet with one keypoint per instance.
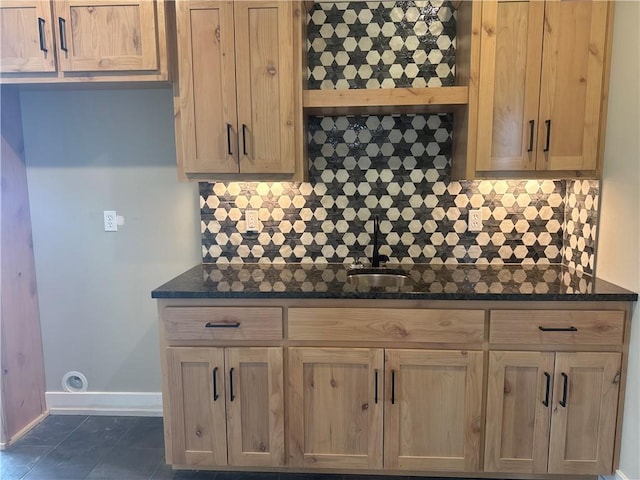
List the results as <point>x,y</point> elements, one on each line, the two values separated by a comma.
<point>376,258</point>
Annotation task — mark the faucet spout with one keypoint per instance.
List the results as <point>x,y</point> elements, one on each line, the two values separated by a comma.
<point>375,258</point>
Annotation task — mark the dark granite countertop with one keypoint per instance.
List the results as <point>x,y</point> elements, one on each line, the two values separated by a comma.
<point>428,282</point>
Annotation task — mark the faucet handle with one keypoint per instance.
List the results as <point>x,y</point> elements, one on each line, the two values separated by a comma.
<point>383,259</point>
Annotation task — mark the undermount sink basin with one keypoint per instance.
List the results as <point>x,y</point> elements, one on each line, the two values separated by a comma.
<point>378,279</point>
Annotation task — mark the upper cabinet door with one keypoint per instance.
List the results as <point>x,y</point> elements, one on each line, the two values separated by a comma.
<point>265,76</point>
<point>511,51</point>
<point>432,410</point>
<point>573,67</point>
<point>26,40</point>
<point>583,425</point>
<point>106,36</point>
<point>206,119</point>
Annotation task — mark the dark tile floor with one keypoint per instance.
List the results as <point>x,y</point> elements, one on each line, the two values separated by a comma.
<point>113,448</point>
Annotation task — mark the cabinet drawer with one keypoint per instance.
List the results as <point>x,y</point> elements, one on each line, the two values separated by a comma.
<point>540,327</point>
<point>381,324</point>
<point>222,323</point>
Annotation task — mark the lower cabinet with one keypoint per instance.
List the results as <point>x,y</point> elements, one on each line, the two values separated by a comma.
<point>551,412</point>
<point>234,390</point>
<point>430,400</point>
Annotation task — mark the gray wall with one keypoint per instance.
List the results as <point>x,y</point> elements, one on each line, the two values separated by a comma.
<point>89,151</point>
<point>619,238</point>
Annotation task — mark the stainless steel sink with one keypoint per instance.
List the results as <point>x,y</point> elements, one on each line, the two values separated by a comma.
<point>378,279</point>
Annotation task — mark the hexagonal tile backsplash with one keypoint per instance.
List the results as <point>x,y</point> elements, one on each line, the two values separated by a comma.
<point>398,168</point>
<point>381,44</point>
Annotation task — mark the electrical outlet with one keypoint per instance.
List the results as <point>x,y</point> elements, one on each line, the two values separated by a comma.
<point>475,220</point>
<point>110,221</point>
<point>251,219</point>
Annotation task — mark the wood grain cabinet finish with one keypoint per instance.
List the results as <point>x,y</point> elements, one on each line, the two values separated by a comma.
<point>26,37</point>
<point>237,98</point>
<point>76,41</point>
<point>543,85</point>
<point>227,406</point>
<point>335,416</point>
<point>432,419</point>
<point>551,413</point>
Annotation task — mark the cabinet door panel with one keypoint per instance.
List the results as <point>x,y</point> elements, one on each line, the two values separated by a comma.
<point>517,432</point>
<point>25,29</point>
<point>197,416</point>
<point>335,420</point>
<point>106,36</point>
<point>509,84</point>
<point>255,427</point>
<point>432,410</point>
<point>582,432</point>
<point>206,119</point>
<point>571,87</point>
<point>264,62</point>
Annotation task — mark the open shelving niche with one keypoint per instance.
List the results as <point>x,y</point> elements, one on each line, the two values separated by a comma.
<point>460,99</point>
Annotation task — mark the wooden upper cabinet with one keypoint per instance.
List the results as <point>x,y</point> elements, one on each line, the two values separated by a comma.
<point>573,64</point>
<point>336,401</point>
<point>72,41</point>
<point>26,38</point>
<point>106,35</point>
<point>584,420</point>
<point>542,87</point>
<point>432,410</point>
<point>238,106</point>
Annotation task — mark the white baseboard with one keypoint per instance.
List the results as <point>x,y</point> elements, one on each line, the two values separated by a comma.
<point>621,476</point>
<point>105,403</point>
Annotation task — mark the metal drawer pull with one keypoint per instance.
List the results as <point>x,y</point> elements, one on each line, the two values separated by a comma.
<point>376,386</point>
<point>565,381</point>
<point>558,329</point>
<point>244,139</point>
<point>63,34</point>
<point>229,139</point>
<point>532,124</point>
<point>215,384</point>
<point>232,397</point>
<point>222,325</point>
<point>546,395</point>
<point>548,124</point>
<point>43,46</point>
<point>393,387</point>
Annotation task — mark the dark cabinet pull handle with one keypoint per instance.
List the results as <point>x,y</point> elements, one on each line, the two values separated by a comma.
<point>393,387</point>
<point>232,397</point>
<point>548,124</point>
<point>222,325</point>
<point>229,139</point>
<point>558,329</point>
<point>43,46</point>
<point>63,34</point>
<point>376,387</point>
<point>565,381</point>
<point>244,139</point>
<point>532,124</point>
<point>215,384</point>
<point>548,390</point>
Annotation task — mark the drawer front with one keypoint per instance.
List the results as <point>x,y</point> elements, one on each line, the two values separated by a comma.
<point>382,324</point>
<point>544,327</point>
<point>222,323</point>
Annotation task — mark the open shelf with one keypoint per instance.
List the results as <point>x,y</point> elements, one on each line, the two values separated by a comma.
<point>384,100</point>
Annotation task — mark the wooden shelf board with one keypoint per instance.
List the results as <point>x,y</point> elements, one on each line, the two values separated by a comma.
<point>384,100</point>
